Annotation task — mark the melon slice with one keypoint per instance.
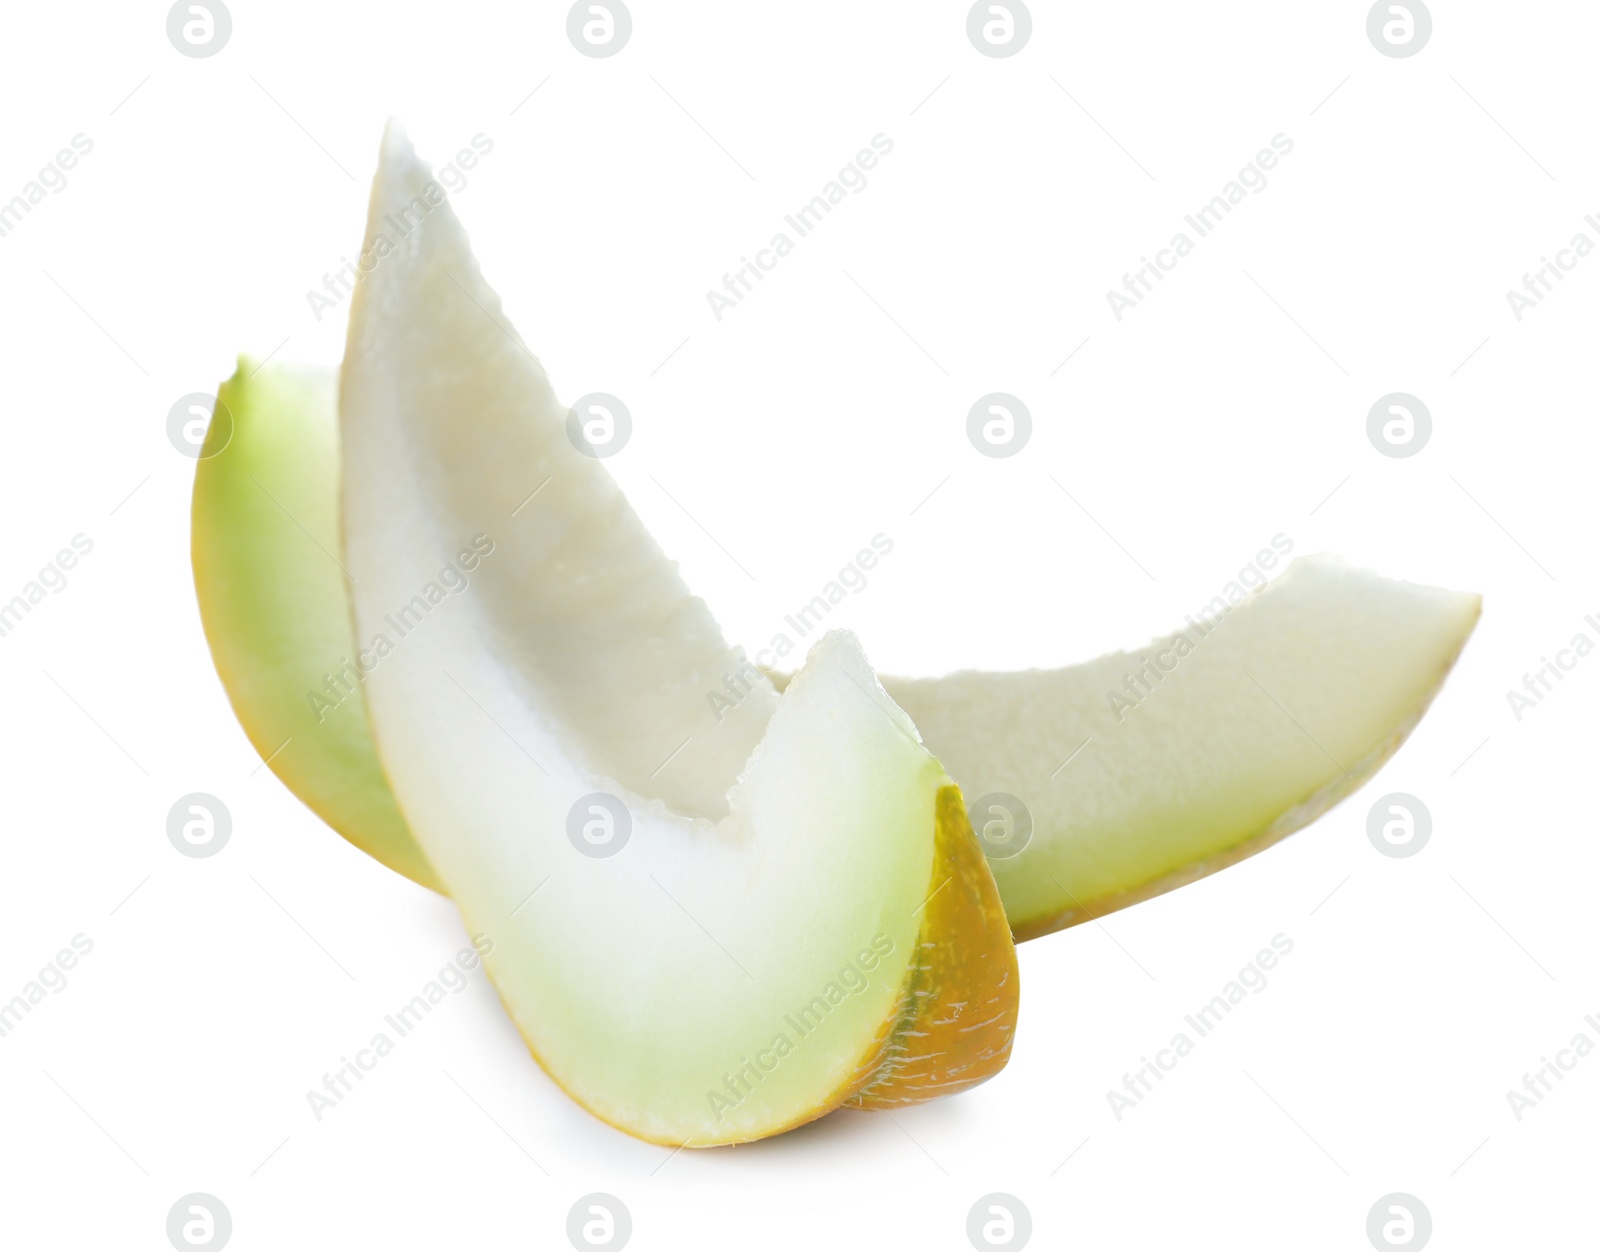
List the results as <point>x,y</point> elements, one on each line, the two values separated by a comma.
<point>274,602</point>
<point>705,932</point>
<point>1145,770</point>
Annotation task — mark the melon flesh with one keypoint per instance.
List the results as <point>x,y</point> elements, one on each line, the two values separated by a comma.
<point>800,916</point>
<point>1146,770</point>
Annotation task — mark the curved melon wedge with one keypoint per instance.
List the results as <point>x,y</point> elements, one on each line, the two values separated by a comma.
<point>1145,770</point>
<point>264,545</point>
<point>795,913</point>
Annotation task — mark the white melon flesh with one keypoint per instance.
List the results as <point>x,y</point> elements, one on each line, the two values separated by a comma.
<point>794,896</point>
<point>1146,770</point>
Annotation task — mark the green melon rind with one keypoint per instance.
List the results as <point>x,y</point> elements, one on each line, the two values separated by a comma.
<point>275,608</point>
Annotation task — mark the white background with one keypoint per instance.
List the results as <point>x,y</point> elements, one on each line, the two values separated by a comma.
<point>821,411</point>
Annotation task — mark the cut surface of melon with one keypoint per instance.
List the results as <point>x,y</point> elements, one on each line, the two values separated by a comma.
<point>706,932</point>
<point>1145,770</point>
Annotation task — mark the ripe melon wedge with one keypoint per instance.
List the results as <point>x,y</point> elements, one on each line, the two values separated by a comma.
<point>1145,770</point>
<point>796,913</point>
<point>274,602</point>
